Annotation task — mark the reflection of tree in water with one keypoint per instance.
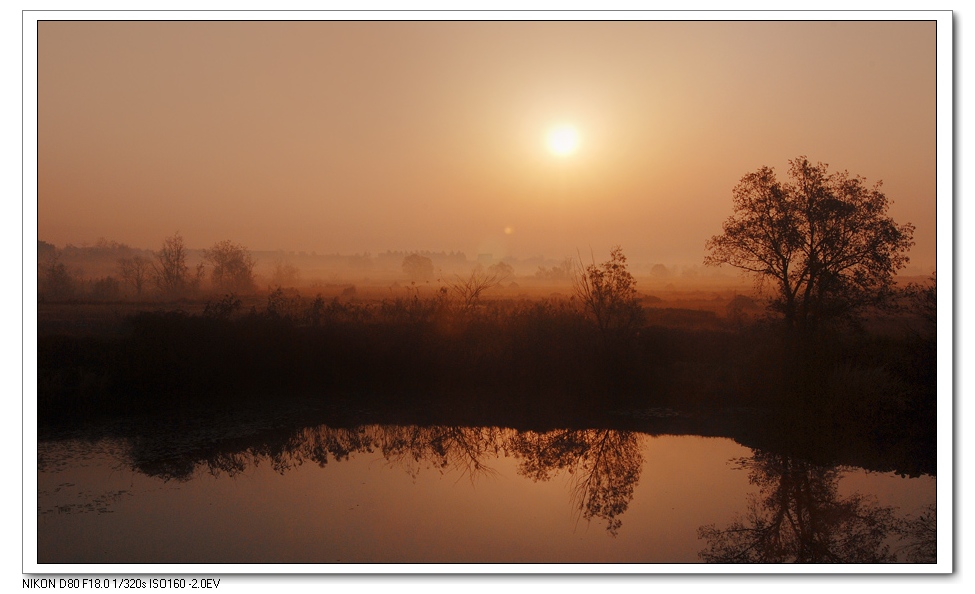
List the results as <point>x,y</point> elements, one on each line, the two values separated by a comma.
<point>921,536</point>
<point>604,463</point>
<point>798,516</point>
<point>316,444</point>
<point>443,447</point>
<point>178,458</point>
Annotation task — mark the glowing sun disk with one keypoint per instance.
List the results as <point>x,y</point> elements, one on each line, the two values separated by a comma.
<point>563,140</point>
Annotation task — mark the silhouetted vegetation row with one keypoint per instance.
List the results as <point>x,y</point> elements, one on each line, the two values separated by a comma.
<point>510,355</point>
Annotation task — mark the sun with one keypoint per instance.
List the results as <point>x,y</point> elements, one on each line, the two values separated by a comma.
<point>563,140</point>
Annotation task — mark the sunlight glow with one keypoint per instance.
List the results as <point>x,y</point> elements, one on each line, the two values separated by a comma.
<point>563,140</point>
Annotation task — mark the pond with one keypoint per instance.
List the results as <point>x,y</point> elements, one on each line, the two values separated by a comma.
<point>387,493</point>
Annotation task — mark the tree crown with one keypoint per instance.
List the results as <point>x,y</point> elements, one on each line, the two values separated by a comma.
<point>822,239</point>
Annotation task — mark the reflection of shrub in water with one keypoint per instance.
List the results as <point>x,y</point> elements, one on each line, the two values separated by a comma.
<point>604,463</point>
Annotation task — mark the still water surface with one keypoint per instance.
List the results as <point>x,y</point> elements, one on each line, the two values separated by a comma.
<point>410,494</point>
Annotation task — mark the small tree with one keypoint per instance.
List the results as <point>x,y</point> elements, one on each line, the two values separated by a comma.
<point>562,272</point>
<point>56,282</point>
<point>285,274</point>
<point>169,269</point>
<point>660,271</point>
<point>105,289</point>
<point>922,299</point>
<point>824,241</point>
<point>608,294</point>
<point>135,271</point>
<point>504,271</point>
<point>470,288</point>
<point>233,267</point>
<point>418,268</point>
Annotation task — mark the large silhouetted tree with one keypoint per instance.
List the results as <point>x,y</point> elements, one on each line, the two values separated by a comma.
<point>822,239</point>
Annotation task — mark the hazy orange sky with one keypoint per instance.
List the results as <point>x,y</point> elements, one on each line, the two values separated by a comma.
<point>366,136</point>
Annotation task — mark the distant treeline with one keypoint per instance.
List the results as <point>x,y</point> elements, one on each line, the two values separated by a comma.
<point>111,271</point>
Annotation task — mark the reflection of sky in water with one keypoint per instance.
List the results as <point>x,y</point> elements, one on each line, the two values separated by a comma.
<point>417,503</point>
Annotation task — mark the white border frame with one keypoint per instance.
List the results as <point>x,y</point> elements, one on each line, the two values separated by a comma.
<point>945,186</point>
